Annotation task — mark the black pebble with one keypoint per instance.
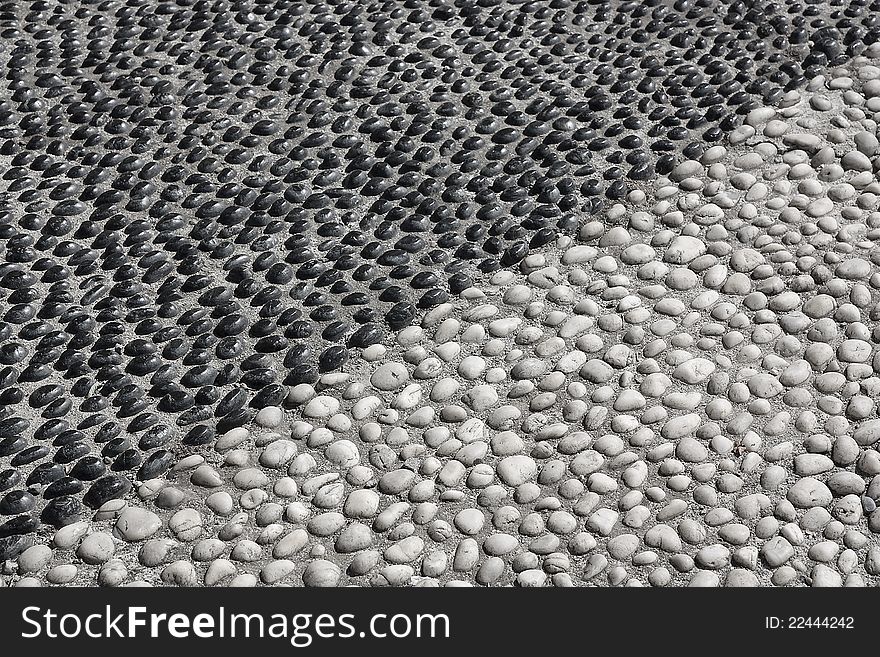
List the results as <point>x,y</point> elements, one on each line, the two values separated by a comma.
<point>88,468</point>
<point>17,501</point>
<point>156,465</point>
<point>44,474</point>
<point>64,510</point>
<point>199,435</point>
<point>106,489</point>
<point>63,486</point>
<point>23,524</point>
<point>13,545</point>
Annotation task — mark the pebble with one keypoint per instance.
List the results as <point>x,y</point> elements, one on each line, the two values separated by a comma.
<point>34,559</point>
<point>516,470</point>
<point>809,492</point>
<point>136,524</point>
<point>321,573</point>
<point>269,417</point>
<point>186,525</point>
<point>96,548</point>
<point>390,376</point>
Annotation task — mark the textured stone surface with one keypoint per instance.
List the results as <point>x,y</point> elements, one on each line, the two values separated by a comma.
<point>572,295</point>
